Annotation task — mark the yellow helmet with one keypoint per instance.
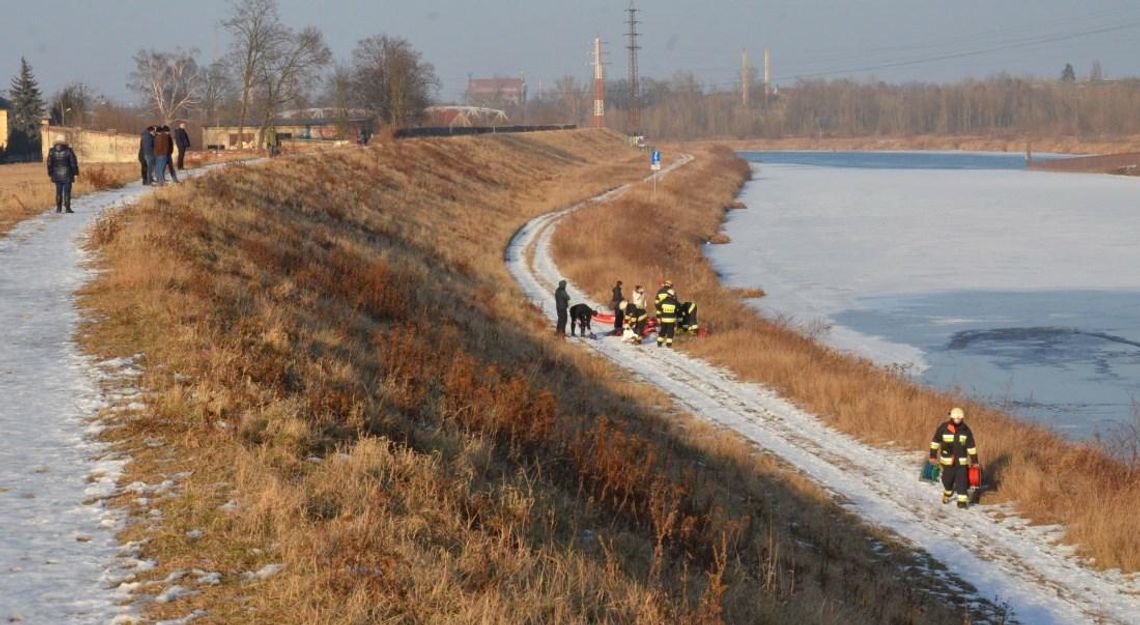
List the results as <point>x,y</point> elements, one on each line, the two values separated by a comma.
<point>957,414</point>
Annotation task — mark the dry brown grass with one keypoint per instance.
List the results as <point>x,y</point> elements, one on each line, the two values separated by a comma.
<point>333,342</point>
<point>1049,480</point>
<point>26,190</point>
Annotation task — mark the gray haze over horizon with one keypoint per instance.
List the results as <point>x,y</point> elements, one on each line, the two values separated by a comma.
<point>93,41</point>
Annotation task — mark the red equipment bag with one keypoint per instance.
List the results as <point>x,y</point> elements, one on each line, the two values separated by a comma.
<point>974,476</point>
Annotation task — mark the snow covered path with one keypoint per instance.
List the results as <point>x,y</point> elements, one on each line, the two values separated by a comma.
<point>59,559</point>
<point>987,548</point>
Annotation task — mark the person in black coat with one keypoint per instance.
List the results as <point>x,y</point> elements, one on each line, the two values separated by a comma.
<point>182,142</point>
<point>615,300</point>
<point>62,168</point>
<point>561,304</point>
<point>580,316</point>
<point>146,154</point>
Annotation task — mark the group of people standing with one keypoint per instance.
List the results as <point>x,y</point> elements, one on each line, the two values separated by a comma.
<point>156,149</point>
<point>952,448</point>
<point>631,317</point>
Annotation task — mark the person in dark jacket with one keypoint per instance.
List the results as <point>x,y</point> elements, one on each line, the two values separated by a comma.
<point>182,142</point>
<point>170,161</point>
<point>146,154</point>
<point>62,168</point>
<point>616,299</point>
<point>580,316</point>
<point>561,304</point>
<point>953,447</point>
<point>687,318</point>
<point>635,320</point>
<point>163,147</point>
<point>665,308</point>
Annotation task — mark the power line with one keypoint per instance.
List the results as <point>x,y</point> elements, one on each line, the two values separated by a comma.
<point>958,55</point>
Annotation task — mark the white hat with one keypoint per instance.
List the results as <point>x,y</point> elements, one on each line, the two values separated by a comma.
<point>957,413</point>
<point>59,139</point>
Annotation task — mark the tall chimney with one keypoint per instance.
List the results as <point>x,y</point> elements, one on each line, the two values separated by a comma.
<point>599,86</point>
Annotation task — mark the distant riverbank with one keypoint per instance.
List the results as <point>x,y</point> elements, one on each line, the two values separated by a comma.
<point>1011,144</point>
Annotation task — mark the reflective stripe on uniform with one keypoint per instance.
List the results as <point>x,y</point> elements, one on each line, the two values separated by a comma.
<point>935,446</point>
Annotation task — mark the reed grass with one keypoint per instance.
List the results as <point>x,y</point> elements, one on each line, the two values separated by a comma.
<point>337,362</point>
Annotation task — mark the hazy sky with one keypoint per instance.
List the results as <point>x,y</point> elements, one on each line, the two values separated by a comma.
<point>894,40</point>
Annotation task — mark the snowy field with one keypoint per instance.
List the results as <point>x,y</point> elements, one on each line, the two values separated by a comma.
<point>1018,288</point>
<point>985,548</point>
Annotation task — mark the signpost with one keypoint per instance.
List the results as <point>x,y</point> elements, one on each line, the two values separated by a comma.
<point>655,166</point>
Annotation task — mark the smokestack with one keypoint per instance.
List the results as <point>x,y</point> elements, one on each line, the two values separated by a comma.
<point>599,86</point>
<point>744,78</point>
<point>767,72</point>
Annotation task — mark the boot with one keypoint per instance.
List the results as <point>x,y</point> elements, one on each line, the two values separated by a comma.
<point>67,206</point>
<point>59,205</point>
<point>945,499</point>
<point>962,505</point>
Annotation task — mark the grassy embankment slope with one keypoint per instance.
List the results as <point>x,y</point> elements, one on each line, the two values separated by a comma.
<point>1049,480</point>
<point>26,190</point>
<point>333,343</point>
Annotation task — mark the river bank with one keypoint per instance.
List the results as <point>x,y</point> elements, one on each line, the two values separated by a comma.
<point>980,143</point>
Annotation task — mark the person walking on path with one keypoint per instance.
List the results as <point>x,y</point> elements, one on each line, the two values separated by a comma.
<point>954,449</point>
<point>615,300</point>
<point>182,142</point>
<point>62,168</point>
<point>561,306</point>
<point>163,147</point>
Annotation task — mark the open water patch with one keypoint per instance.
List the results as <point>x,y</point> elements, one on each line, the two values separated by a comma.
<point>1066,359</point>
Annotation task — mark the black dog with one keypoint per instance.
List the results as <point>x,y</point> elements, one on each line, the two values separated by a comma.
<point>580,316</point>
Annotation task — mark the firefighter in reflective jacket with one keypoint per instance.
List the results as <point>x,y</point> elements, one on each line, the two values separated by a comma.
<point>665,306</point>
<point>635,319</point>
<point>954,449</point>
<point>687,317</point>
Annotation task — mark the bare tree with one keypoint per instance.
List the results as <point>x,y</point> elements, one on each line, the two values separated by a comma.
<point>217,90</point>
<point>257,30</point>
<point>171,82</point>
<point>72,104</point>
<point>338,96</point>
<point>391,79</point>
<point>1096,73</point>
<point>571,97</point>
<point>292,62</point>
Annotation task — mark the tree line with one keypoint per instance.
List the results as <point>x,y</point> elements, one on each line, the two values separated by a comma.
<point>269,67</point>
<point>681,108</point>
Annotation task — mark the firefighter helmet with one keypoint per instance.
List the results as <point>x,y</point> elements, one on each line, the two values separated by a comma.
<point>668,283</point>
<point>957,414</point>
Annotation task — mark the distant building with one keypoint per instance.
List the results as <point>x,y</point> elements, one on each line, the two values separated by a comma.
<point>292,128</point>
<point>496,92</point>
<point>464,116</point>
<point>4,106</point>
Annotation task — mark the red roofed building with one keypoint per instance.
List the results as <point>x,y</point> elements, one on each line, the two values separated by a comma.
<point>496,92</point>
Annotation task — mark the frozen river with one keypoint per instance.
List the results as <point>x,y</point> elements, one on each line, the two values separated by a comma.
<point>1018,288</point>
